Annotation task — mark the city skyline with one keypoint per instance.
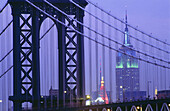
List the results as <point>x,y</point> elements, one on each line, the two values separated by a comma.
<point>127,69</point>
<point>102,42</point>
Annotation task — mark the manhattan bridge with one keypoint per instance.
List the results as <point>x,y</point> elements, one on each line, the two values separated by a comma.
<point>63,55</point>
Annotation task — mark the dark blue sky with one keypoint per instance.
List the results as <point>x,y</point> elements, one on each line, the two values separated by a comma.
<point>151,16</point>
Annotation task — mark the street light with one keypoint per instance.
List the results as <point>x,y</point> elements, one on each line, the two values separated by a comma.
<point>0,101</point>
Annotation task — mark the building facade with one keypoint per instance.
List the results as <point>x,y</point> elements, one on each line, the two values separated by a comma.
<point>127,70</point>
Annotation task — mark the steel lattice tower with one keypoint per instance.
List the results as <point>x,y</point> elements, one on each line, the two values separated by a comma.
<point>26,27</point>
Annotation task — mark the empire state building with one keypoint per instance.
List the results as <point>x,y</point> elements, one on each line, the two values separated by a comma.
<point>127,70</point>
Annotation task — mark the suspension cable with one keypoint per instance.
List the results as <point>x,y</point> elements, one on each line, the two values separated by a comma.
<point>6,55</point>
<point>47,31</point>
<point>26,52</point>
<point>11,50</point>
<point>88,38</point>
<point>6,71</point>
<point>128,24</point>
<point>50,16</point>
<point>106,36</point>
<point>3,7</point>
<point>118,29</point>
<point>6,27</point>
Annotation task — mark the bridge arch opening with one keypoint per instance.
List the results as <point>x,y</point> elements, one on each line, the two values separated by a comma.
<point>149,108</point>
<point>104,109</point>
<point>49,59</point>
<point>118,109</point>
<point>133,108</point>
<point>164,107</point>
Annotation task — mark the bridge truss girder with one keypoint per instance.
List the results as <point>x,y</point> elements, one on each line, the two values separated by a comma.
<point>26,27</point>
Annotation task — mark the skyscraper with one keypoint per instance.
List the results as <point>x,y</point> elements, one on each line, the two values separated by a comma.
<point>127,70</point>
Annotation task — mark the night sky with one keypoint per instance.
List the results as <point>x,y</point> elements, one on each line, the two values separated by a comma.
<point>151,16</point>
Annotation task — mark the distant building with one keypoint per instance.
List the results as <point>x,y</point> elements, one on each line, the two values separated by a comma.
<point>51,101</point>
<point>102,96</point>
<point>163,94</point>
<point>134,95</point>
<point>127,70</point>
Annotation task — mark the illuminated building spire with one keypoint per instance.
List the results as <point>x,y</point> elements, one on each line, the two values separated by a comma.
<point>102,92</point>
<point>126,36</point>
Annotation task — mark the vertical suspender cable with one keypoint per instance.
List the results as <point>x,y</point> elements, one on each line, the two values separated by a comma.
<point>152,70</point>
<point>150,74</point>
<point>110,62</point>
<point>96,44</point>
<point>116,47</point>
<point>164,64</point>
<point>158,70</point>
<point>45,52</point>
<point>90,55</point>
<point>103,54</point>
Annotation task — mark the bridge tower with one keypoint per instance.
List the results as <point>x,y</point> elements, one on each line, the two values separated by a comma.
<point>26,71</point>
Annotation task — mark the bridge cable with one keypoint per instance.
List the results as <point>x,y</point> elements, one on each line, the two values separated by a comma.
<point>90,58</point>
<point>6,71</point>
<point>6,27</point>
<point>108,37</point>
<point>97,63</point>
<point>90,39</point>
<point>47,31</point>
<point>117,28</point>
<point>11,50</point>
<point>53,18</point>
<point>6,55</point>
<point>21,40</point>
<point>3,7</point>
<point>128,24</point>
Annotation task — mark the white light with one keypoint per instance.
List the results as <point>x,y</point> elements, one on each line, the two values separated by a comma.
<point>65,91</point>
<point>120,86</point>
<point>99,99</point>
<point>87,102</point>
<point>169,105</point>
<point>0,101</point>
